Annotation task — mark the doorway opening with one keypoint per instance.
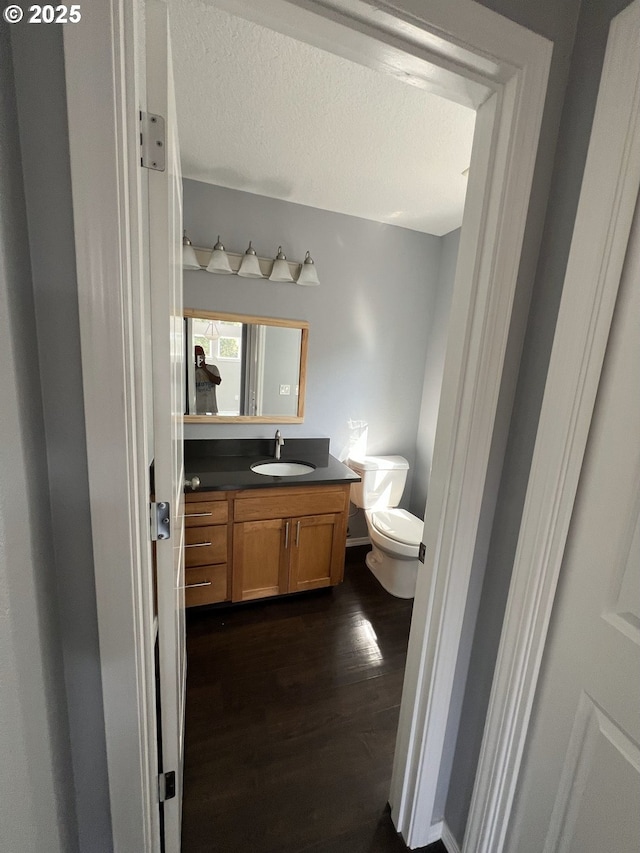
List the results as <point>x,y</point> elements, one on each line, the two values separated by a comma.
<point>386,255</point>
<point>501,71</point>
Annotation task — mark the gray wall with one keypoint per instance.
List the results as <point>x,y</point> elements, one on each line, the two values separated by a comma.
<point>369,318</point>
<point>282,355</point>
<point>36,803</point>
<point>52,343</point>
<point>553,20</point>
<point>433,370</point>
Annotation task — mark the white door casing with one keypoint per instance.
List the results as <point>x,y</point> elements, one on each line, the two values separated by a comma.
<point>477,58</point>
<point>105,89</point>
<point>167,335</point>
<point>598,250</point>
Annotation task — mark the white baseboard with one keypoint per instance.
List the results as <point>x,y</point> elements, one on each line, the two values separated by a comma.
<point>448,840</point>
<point>357,540</point>
<point>434,833</point>
<point>441,832</point>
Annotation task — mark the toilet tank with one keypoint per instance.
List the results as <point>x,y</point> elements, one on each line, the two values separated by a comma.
<point>383,479</point>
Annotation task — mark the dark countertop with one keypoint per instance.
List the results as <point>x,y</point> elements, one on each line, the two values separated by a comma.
<point>225,464</point>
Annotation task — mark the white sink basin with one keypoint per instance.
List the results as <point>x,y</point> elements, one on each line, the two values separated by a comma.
<point>282,469</point>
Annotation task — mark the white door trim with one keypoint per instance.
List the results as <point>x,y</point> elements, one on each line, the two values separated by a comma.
<point>102,102</point>
<point>457,46</point>
<point>603,222</point>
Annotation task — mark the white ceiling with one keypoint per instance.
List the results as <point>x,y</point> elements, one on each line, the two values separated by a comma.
<point>261,112</point>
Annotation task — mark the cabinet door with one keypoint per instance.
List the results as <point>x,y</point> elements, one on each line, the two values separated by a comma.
<point>260,558</point>
<point>316,552</point>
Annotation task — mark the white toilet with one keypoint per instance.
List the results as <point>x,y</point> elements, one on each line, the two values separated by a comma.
<point>395,534</point>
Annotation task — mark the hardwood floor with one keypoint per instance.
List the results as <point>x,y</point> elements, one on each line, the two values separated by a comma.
<point>292,709</point>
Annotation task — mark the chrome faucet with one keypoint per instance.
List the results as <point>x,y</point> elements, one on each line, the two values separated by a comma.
<point>279,443</point>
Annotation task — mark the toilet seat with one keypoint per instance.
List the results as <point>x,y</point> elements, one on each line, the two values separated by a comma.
<point>399,525</point>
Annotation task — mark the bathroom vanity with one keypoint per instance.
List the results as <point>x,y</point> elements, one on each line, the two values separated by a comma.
<point>249,535</point>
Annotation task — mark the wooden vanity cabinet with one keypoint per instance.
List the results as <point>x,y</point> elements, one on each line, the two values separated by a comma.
<point>207,534</point>
<point>257,543</point>
<point>288,540</point>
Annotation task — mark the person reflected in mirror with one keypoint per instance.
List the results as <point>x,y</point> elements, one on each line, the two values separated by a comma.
<point>207,378</point>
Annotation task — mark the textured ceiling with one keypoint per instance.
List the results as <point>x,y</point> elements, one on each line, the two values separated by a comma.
<point>261,112</point>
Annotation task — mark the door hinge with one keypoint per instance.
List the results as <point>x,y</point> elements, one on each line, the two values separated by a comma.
<point>160,517</point>
<point>422,552</point>
<point>166,786</point>
<point>152,142</point>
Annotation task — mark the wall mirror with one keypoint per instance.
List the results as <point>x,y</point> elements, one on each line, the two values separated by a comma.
<point>242,368</point>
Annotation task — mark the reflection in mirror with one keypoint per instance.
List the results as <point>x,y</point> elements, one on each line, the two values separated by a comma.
<point>244,368</point>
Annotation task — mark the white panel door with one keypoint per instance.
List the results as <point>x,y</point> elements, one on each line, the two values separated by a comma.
<point>165,247</point>
<point>579,790</point>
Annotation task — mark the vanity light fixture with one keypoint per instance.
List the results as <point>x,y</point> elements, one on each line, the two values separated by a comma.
<point>250,265</point>
<point>219,262</point>
<point>280,271</point>
<point>189,260</point>
<point>308,275</point>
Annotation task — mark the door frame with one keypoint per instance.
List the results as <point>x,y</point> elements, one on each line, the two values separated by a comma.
<point>463,50</point>
<point>109,194</point>
<point>603,222</point>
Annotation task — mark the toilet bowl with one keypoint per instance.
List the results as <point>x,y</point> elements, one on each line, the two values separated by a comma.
<point>395,537</point>
<point>395,534</point>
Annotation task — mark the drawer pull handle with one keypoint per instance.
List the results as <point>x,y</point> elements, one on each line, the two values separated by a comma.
<point>197,514</point>
<point>198,545</point>
<point>202,583</point>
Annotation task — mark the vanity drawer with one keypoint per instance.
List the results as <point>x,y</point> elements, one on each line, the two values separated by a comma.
<point>205,545</point>
<point>203,513</point>
<point>257,504</point>
<point>206,585</point>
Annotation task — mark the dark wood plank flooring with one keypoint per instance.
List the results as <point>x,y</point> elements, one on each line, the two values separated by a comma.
<point>292,709</point>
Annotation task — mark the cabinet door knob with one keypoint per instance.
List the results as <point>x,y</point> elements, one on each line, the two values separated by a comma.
<point>193,483</point>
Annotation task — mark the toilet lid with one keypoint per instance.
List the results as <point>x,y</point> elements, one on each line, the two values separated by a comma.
<point>398,524</point>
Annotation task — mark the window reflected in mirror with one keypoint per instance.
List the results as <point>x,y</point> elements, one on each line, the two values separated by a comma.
<point>244,368</point>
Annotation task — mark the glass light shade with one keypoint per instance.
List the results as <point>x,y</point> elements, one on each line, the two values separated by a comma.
<point>250,265</point>
<point>219,262</point>
<point>280,271</point>
<point>308,275</point>
<point>189,259</point>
